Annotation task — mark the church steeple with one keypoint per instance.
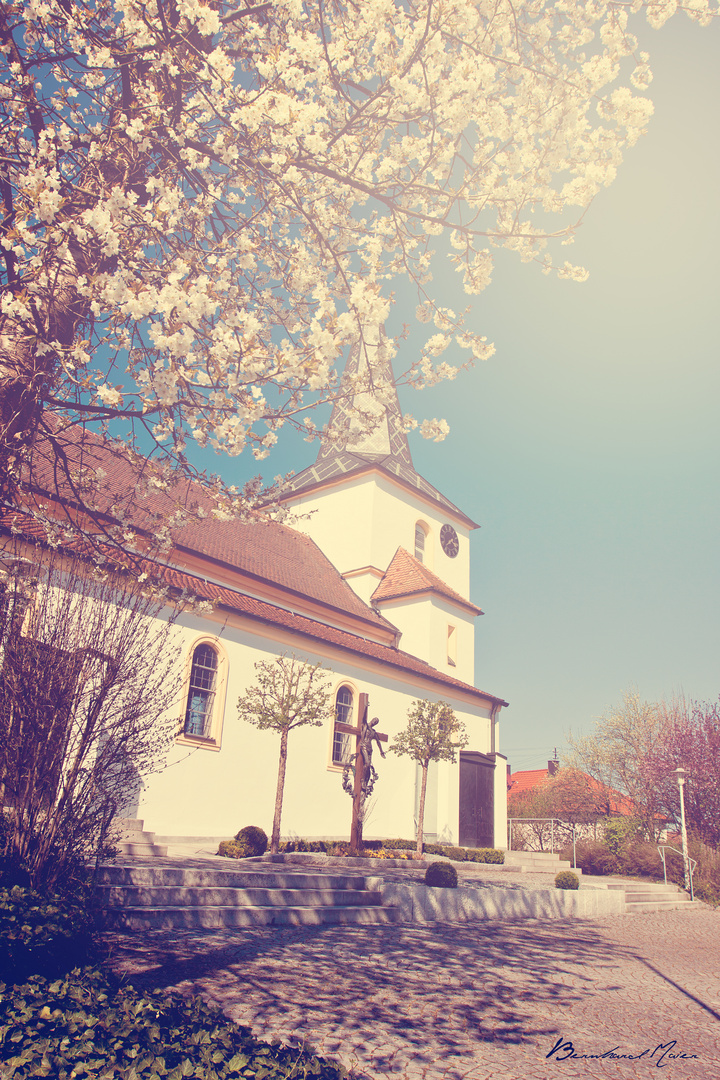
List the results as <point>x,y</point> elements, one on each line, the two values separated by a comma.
<point>366,429</point>
<point>366,420</point>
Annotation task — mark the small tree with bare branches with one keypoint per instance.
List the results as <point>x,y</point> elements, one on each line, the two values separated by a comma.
<point>433,733</point>
<point>290,693</point>
<point>88,683</point>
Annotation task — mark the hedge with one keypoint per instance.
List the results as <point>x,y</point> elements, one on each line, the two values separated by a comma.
<point>326,847</point>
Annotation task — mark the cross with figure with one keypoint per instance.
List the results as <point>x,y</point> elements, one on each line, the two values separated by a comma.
<point>366,734</point>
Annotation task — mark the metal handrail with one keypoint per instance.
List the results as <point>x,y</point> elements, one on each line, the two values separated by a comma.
<point>565,825</point>
<point>692,863</point>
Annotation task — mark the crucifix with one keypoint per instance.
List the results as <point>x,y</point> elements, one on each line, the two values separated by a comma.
<point>365,735</point>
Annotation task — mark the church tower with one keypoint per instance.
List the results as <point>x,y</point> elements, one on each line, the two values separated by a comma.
<point>402,545</point>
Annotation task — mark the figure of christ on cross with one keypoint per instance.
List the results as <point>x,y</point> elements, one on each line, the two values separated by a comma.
<point>365,735</point>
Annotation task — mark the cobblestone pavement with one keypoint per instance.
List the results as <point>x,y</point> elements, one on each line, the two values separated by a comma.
<point>470,1000</point>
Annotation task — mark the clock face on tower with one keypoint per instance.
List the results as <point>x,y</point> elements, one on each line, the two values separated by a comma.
<point>449,541</point>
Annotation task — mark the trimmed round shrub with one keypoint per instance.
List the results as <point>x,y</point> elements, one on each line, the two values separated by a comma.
<point>441,875</point>
<point>231,849</point>
<point>567,880</point>
<point>253,839</point>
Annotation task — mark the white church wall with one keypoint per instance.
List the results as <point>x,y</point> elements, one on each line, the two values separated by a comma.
<point>215,791</point>
<point>424,622</point>
<point>364,520</point>
<point>501,815</point>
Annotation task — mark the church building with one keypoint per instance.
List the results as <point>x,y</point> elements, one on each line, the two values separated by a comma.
<point>372,581</point>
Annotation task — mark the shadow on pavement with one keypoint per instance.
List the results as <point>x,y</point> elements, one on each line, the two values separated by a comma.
<point>435,990</point>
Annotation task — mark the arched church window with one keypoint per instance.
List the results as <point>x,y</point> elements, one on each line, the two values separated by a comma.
<point>201,692</point>
<point>342,742</point>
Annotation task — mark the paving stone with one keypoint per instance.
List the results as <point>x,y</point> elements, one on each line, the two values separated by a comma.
<point>463,1001</point>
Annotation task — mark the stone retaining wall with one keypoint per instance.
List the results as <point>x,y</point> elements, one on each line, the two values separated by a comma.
<point>422,903</point>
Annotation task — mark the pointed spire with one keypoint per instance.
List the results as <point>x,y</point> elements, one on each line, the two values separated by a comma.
<point>366,428</point>
<point>366,420</point>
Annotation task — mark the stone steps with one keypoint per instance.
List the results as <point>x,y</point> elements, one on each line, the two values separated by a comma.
<point>197,896</point>
<point>134,840</point>
<point>646,895</point>
<point>539,862</point>
<point>642,896</point>
<point>163,897</point>
<point>215,918</point>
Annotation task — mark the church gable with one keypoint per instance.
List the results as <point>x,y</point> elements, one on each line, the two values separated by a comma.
<point>406,576</point>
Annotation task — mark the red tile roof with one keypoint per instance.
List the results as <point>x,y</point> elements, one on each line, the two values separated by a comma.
<point>265,550</point>
<point>276,616</point>
<point>268,551</point>
<point>528,779</point>
<point>270,614</point>
<point>407,576</point>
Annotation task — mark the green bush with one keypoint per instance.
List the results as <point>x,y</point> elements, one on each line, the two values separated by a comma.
<point>41,933</point>
<point>254,840</point>
<point>593,857</point>
<point>486,855</point>
<point>320,846</point>
<point>619,832</point>
<point>248,843</point>
<point>567,880</point>
<point>457,854</point>
<point>84,1026</point>
<point>231,849</point>
<point>707,891</point>
<point>640,858</point>
<point>441,875</point>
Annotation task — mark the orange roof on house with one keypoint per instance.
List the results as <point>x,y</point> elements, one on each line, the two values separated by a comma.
<point>528,779</point>
<point>407,576</point>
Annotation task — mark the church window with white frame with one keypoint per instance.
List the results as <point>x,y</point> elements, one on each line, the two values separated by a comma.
<point>344,710</point>
<point>204,695</point>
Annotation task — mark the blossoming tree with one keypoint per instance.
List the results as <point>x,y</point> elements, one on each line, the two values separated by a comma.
<point>205,203</point>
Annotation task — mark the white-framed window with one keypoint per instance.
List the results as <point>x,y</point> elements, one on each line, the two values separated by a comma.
<point>204,698</point>
<point>343,744</point>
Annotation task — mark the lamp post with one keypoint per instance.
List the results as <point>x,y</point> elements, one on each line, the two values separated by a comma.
<point>680,774</point>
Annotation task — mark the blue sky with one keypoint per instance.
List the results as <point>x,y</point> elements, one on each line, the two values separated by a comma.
<point>588,447</point>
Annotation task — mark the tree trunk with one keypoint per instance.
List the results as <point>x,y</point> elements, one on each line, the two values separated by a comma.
<point>275,840</point>
<point>421,810</point>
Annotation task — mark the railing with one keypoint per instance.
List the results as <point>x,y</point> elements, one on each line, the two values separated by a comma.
<point>692,863</point>
<point>563,824</point>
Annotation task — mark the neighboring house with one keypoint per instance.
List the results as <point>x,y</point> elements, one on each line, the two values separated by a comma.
<point>567,795</point>
<point>374,584</point>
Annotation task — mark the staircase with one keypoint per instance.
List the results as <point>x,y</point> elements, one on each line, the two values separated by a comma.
<point>539,862</point>
<point>164,897</point>
<point>647,895</point>
<point>135,841</point>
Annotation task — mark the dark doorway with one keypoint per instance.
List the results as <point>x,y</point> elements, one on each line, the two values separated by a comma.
<point>477,799</point>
